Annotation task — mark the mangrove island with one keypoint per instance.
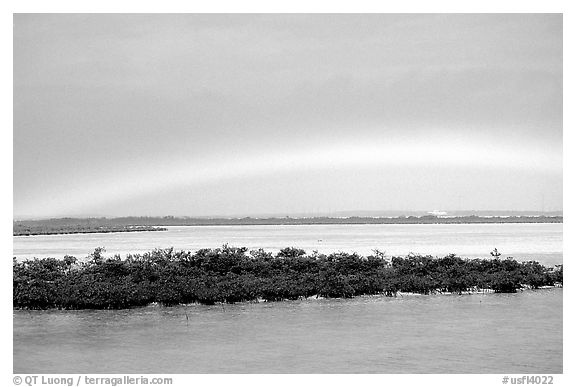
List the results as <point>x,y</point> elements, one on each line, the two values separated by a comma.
<point>231,274</point>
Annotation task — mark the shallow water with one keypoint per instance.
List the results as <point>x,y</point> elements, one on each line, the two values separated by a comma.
<point>480,333</point>
<point>542,242</point>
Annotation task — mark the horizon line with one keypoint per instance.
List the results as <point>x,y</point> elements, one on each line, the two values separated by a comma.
<point>330,214</point>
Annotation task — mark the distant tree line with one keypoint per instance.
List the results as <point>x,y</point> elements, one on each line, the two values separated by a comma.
<point>124,224</point>
<point>230,274</point>
<point>187,221</point>
<point>20,229</point>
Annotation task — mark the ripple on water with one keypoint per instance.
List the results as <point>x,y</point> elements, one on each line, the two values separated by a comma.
<point>478,333</point>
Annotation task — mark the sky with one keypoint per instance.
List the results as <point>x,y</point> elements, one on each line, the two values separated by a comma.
<point>240,114</point>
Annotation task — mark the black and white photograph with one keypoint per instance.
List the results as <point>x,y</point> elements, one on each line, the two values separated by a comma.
<point>287,193</point>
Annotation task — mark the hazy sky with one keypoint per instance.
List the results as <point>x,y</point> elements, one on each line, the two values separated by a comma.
<point>254,114</point>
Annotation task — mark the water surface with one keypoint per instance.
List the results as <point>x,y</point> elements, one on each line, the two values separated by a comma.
<point>481,333</point>
<point>542,242</point>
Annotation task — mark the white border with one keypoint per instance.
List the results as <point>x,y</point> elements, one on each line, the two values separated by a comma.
<point>306,6</point>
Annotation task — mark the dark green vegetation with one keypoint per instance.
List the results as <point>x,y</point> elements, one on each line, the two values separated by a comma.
<point>230,275</point>
<point>24,229</point>
<point>51,226</point>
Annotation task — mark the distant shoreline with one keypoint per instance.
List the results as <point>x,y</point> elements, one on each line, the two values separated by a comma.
<point>362,221</point>
<point>132,224</point>
<point>86,231</point>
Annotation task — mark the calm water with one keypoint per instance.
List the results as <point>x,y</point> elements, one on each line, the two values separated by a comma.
<point>492,333</point>
<point>542,242</point>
